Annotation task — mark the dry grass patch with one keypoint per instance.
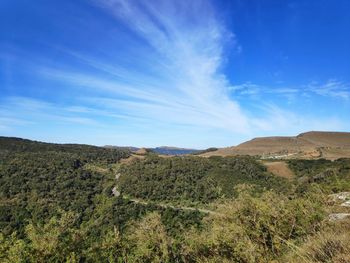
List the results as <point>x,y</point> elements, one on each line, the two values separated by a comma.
<point>330,245</point>
<point>279,169</point>
<point>131,158</point>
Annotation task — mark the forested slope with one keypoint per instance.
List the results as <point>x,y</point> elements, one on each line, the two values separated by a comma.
<point>83,152</point>
<point>194,179</point>
<point>37,179</point>
<point>56,205</point>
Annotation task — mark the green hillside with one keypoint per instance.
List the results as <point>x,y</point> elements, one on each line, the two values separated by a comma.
<point>58,203</point>
<point>194,179</point>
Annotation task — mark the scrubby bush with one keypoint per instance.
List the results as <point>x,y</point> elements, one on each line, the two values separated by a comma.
<point>256,229</point>
<point>331,244</point>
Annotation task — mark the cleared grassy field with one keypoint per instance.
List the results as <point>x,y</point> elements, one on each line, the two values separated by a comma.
<point>279,168</point>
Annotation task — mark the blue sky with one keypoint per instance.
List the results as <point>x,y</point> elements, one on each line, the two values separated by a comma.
<point>181,73</point>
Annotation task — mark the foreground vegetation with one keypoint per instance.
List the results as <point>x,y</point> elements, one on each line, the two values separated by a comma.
<point>57,205</point>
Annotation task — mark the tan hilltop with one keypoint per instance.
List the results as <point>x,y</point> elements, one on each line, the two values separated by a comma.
<point>315,144</point>
<point>141,151</point>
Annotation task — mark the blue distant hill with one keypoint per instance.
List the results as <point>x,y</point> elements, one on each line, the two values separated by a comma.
<point>166,150</point>
<point>173,150</point>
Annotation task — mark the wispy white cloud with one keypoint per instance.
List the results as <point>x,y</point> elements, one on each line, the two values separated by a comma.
<point>36,111</point>
<point>331,88</point>
<point>288,122</point>
<point>78,120</point>
<point>7,123</point>
<point>247,88</point>
<point>185,85</point>
<point>171,76</point>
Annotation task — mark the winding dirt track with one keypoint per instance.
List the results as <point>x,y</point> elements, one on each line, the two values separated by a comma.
<point>143,202</point>
<point>187,208</point>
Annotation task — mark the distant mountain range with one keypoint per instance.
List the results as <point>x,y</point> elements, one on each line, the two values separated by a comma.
<point>309,145</point>
<point>165,150</point>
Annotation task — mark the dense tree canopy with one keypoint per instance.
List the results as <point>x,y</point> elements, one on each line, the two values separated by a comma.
<point>193,179</point>
<point>57,205</point>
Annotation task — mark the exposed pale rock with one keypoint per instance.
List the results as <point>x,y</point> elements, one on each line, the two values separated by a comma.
<point>115,192</point>
<point>340,196</point>
<point>338,216</point>
<point>346,204</point>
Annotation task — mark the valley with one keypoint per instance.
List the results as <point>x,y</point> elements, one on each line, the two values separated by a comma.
<point>81,203</point>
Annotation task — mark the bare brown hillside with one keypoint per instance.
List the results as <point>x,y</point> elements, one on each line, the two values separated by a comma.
<point>279,168</point>
<point>331,145</point>
<point>141,151</point>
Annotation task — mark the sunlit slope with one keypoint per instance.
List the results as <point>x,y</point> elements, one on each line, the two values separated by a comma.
<point>314,144</point>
